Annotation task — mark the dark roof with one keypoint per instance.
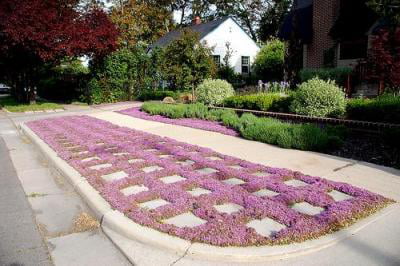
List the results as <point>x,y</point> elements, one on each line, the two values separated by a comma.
<point>349,26</point>
<point>203,29</point>
<point>298,23</point>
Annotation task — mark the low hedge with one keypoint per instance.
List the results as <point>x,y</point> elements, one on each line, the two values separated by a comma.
<point>385,108</point>
<point>339,74</point>
<point>157,95</point>
<point>272,102</point>
<point>267,130</point>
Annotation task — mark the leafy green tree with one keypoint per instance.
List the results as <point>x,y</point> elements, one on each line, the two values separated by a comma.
<point>124,74</point>
<point>389,9</point>
<point>272,19</point>
<point>187,61</point>
<point>269,62</point>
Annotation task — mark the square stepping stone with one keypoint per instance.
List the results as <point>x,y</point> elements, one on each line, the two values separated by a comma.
<point>90,159</point>
<point>186,162</point>
<point>261,174</point>
<point>73,147</point>
<point>295,183</point>
<point>151,150</point>
<point>266,227</point>
<point>120,153</point>
<point>233,181</point>
<point>115,176</point>
<point>100,166</point>
<point>198,191</point>
<point>307,208</point>
<point>100,143</point>
<point>185,220</point>
<point>151,169</point>
<point>228,208</point>
<point>132,190</point>
<point>172,179</point>
<point>82,152</point>
<point>206,171</point>
<point>339,196</point>
<point>237,167</point>
<point>265,193</point>
<point>214,158</point>
<point>153,204</point>
<point>135,160</point>
<point>110,148</point>
<point>165,156</point>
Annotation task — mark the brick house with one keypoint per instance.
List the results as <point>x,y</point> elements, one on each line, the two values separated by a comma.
<point>334,33</point>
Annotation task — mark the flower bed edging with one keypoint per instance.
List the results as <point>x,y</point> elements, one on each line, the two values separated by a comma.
<point>74,129</point>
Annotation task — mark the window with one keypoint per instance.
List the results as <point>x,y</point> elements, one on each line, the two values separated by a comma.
<point>217,60</point>
<point>245,64</point>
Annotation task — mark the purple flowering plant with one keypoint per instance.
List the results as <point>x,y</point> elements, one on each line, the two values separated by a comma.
<point>98,149</point>
<point>213,126</point>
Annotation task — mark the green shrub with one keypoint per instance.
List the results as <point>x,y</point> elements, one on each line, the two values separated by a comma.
<point>214,91</point>
<point>262,101</point>
<point>339,74</point>
<point>268,64</point>
<point>157,95</point>
<point>385,108</point>
<point>319,98</point>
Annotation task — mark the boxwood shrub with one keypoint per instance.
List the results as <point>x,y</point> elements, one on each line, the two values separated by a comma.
<point>157,95</point>
<point>385,108</point>
<point>319,98</point>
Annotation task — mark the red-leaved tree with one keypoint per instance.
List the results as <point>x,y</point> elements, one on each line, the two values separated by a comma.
<point>384,58</point>
<point>35,32</point>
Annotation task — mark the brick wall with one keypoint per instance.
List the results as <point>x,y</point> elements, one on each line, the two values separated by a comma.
<point>325,13</point>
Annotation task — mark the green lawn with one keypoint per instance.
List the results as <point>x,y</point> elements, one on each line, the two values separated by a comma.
<point>12,105</point>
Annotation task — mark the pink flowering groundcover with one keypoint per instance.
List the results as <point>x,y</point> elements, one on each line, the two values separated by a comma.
<point>155,180</point>
<point>213,126</point>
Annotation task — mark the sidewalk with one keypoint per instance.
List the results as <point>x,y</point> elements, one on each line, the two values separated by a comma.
<point>21,242</point>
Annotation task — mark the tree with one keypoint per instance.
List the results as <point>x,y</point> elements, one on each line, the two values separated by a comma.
<point>384,56</point>
<point>188,62</point>
<point>124,74</point>
<point>141,21</point>
<point>272,19</point>
<point>35,32</point>
<point>269,61</point>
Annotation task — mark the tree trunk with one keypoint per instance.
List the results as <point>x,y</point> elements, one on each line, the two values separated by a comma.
<point>32,94</point>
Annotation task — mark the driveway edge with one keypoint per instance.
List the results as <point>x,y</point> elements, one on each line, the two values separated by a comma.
<point>118,222</point>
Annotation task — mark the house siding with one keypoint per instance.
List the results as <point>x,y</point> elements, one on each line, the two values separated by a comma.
<point>241,43</point>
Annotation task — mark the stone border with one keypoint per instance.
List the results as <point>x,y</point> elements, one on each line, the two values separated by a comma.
<point>116,221</point>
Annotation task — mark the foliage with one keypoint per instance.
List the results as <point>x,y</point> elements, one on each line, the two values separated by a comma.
<point>385,108</point>
<point>141,21</point>
<point>124,74</point>
<point>319,98</point>
<point>64,82</point>
<point>384,57</point>
<point>35,32</point>
<point>389,9</point>
<point>339,74</point>
<point>267,130</point>
<point>272,102</point>
<point>214,91</point>
<point>272,19</point>
<point>12,105</point>
<point>157,95</point>
<point>268,63</point>
<point>187,61</point>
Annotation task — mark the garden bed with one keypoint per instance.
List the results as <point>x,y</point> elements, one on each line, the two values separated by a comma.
<point>198,194</point>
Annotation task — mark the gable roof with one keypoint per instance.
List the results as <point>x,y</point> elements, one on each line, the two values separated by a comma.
<point>203,29</point>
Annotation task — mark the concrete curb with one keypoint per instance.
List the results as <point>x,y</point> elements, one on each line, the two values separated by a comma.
<point>118,222</point>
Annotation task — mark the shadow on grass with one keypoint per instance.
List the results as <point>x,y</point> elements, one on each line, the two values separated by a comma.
<point>10,104</point>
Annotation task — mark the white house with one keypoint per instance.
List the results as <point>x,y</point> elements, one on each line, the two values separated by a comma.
<point>217,34</point>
